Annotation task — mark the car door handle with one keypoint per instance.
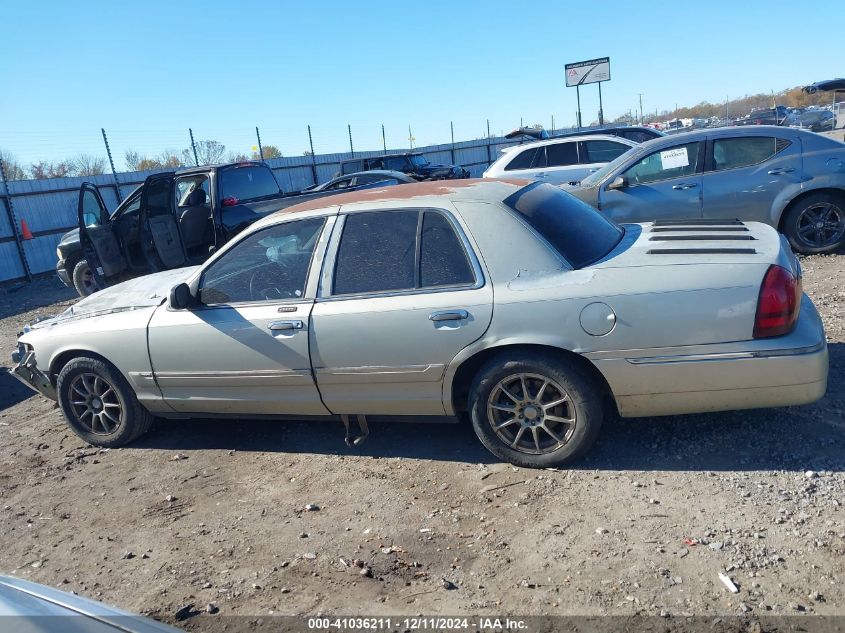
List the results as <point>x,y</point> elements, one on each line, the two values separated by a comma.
<point>286,325</point>
<point>780,170</point>
<point>450,315</point>
<point>685,185</point>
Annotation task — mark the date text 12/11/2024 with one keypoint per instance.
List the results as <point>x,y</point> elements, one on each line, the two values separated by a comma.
<point>419,623</point>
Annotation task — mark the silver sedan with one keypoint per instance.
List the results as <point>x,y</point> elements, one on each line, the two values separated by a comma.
<point>509,303</point>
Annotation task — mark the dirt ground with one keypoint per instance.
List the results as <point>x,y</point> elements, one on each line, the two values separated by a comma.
<point>213,512</point>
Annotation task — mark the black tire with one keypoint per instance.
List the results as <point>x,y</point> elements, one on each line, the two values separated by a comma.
<point>585,399</point>
<point>132,419</point>
<point>803,233</point>
<point>83,279</point>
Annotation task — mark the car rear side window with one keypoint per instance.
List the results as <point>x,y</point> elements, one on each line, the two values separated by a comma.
<point>527,159</point>
<point>562,154</point>
<point>383,251</point>
<point>443,260</point>
<point>377,252</point>
<point>601,151</point>
<point>638,136</point>
<point>576,230</point>
<point>247,183</point>
<point>742,151</point>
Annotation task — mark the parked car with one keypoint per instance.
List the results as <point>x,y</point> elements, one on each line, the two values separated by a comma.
<point>413,164</point>
<point>636,133</point>
<point>792,179</point>
<point>363,180</point>
<point>174,219</point>
<point>31,607</point>
<point>813,120</point>
<point>765,116</point>
<point>512,303</point>
<point>558,160</point>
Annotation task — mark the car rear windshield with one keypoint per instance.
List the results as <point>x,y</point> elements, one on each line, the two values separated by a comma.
<point>579,232</point>
<point>248,182</point>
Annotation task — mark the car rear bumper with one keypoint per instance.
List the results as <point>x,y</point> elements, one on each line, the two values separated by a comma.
<point>782,371</point>
<point>28,373</point>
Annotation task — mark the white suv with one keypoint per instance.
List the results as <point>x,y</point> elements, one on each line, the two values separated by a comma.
<point>559,160</point>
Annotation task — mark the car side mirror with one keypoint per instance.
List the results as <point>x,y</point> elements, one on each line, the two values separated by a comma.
<point>620,182</point>
<point>181,297</point>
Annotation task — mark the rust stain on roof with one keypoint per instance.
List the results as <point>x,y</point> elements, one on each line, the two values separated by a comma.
<point>406,191</point>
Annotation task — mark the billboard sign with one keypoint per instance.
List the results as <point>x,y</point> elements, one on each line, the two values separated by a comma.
<point>588,72</point>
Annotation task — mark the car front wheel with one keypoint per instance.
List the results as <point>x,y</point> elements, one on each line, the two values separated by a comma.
<point>99,405</point>
<point>536,410</point>
<point>816,224</point>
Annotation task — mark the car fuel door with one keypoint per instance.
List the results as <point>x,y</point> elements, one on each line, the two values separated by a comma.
<point>100,245</point>
<point>162,241</point>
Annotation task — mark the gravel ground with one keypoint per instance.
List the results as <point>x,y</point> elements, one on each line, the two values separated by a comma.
<point>215,512</point>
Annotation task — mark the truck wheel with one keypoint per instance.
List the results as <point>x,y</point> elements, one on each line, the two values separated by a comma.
<point>83,279</point>
<point>816,224</point>
<point>99,405</point>
<point>535,410</point>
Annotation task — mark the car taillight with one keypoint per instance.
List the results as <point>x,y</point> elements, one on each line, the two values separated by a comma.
<point>778,303</point>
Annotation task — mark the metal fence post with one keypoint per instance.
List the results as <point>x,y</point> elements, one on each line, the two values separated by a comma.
<point>452,128</point>
<point>351,149</point>
<point>111,162</point>
<point>260,148</point>
<point>489,155</point>
<point>13,222</point>
<point>383,140</point>
<point>313,158</point>
<point>194,147</point>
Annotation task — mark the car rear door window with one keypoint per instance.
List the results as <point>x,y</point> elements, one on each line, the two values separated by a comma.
<point>742,151</point>
<point>671,162</point>
<point>377,252</point>
<point>528,159</point>
<point>443,260</point>
<point>601,151</point>
<point>562,154</point>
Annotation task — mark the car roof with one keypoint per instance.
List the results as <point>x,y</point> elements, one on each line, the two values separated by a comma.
<point>557,139</point>
<point>425,193</point>
<point>387,173</point>
<point>608,129</point>
<point>352,160</point>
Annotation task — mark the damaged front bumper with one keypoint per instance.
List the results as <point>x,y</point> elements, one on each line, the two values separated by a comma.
<point>28,373</point>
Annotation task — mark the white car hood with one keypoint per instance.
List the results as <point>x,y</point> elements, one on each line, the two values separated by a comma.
<point>141,292</point>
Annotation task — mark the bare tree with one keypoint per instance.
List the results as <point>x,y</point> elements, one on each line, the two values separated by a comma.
<point>170,159</point>
<point>11,166</point>
<point>132,160</point>
<point>88,165</point>
<point>210,152</point>
<point>232,157</point>
<point>46,169</point>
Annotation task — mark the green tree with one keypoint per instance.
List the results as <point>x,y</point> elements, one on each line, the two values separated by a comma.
<point>270,151</point>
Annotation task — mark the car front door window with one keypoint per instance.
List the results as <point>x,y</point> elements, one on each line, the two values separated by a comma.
<point>672,162</point>
<point>268,265</point>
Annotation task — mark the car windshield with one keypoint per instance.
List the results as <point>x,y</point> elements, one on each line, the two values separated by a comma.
<point>251,182</point>
<point>597,176</point>
<point>418,160</point>
<point>576,230</point>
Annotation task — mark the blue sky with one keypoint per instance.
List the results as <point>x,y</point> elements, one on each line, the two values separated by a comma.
<point>146,71</point>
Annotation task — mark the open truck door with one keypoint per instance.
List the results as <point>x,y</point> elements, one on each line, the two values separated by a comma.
<point>100,245</point>
<point>159,230</point>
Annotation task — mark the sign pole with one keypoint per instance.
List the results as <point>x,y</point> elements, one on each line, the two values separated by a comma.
<point>601,109</point>
<point>578,96</point>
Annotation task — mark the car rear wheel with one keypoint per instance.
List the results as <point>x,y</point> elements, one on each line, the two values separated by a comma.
<point>816,224</point>
<point>535,411</point>
<point>99,405</point>
<point>83,279</point>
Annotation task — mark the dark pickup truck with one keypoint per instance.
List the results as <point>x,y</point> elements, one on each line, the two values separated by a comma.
<point>174,219</point>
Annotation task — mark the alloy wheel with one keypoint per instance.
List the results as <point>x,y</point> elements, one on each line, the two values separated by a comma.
<point>531,413</point>
<point>95,404</point>
<point>821,224</point>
